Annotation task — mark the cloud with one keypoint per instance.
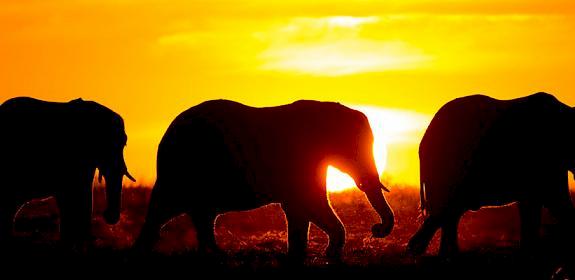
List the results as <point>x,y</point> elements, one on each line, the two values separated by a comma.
<point>334,46</point>
<point>343,57</point>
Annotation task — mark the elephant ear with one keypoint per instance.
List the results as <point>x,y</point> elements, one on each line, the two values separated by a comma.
<point>86,128</point>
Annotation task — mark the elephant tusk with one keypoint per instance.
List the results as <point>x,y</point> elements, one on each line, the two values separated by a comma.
<point>384,188</point>
<point>130,176</point>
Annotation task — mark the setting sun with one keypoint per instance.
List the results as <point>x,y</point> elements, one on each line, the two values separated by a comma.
<point>389,127</point>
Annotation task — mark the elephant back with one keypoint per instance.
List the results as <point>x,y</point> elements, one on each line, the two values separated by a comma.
<point>449,145</point>
<point>476,145</point>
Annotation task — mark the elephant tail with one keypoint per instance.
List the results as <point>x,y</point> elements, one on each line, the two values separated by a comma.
<point>422,194</point>
<point>422,197</point>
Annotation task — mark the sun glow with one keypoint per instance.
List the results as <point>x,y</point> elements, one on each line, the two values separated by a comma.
<point>389,127</point>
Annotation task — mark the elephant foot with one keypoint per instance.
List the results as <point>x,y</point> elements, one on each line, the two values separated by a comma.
<point>78,245</point>
<point>294,259</point>
<point>292,262</point>
<point>334,255</point>
<point>381,230</point>
<point>529,252</point>
<point>210,257</point>
<point>212,252</point>
<point>448,252</point>
<point>82,248</point>
<point>416,247</point>
<point>141,248</point>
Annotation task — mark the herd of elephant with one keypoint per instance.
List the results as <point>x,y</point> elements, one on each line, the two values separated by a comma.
<point>222,156</point>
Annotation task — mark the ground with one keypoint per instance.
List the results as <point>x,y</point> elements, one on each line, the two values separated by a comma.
<point>255,241</point>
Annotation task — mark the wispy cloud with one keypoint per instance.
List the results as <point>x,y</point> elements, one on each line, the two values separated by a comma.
<point>333,46</point>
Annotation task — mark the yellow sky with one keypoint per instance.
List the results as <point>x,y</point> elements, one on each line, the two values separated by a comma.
<point>151,59</point>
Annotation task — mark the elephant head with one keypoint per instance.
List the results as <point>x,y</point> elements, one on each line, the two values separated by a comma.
<point>354,155</point>
<point>106,141</point>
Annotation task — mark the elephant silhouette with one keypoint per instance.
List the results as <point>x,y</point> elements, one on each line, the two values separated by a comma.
<point>53,149</point>
<point>479,151</point>
<point>222,156</point>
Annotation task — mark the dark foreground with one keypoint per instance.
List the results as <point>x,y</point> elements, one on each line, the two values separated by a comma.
<point>255,242</point>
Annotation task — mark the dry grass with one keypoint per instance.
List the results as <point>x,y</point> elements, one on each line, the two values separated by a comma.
<point>257,239</point>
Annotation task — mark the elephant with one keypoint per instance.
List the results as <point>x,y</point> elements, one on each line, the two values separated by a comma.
<point>479,151</point>
<point>222,156</point>
<point>52,149</point>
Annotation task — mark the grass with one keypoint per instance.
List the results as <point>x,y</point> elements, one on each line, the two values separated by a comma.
<point>256,240</point>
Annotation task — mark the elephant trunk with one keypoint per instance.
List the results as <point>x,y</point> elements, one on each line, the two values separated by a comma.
<point>114,193</point>
<point>379,203</point>
<point>113,199</point>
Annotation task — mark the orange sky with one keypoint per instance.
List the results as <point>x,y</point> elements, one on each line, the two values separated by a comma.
<point>150,59</point>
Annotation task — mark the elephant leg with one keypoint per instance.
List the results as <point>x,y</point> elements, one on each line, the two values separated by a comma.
<point>324,217</point>
<point>75,219</point>
<point>561,207</point>
<point>204,223</point>
<point>150,232</point>
<point>420,240</point>
<point>160,210</point>
<point>564,212</point>
<point>298,228</point>
<point>448,246</point>
<point>530,216</point>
